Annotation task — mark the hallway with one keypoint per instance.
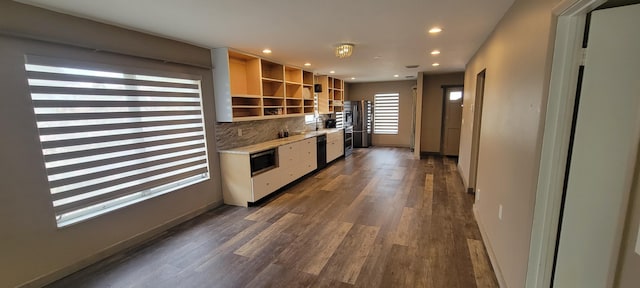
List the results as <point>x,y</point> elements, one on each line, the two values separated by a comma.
<point>378,218</point>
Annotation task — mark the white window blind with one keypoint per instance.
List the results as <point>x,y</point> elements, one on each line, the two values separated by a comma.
<point>340,119</point>
<point>385,113</point>
<point>111,139</point>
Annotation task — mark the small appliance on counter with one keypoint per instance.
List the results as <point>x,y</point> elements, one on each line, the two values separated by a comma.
<point>330,123</point>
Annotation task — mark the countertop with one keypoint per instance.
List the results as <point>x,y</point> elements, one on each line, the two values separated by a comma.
<point>278,142</point>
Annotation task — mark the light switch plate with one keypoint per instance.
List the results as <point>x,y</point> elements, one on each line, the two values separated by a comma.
<point>638,242</point>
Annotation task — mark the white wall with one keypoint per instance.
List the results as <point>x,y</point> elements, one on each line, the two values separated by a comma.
<point>367,90</point>
<point>33,248</point>
<point>517,59</point>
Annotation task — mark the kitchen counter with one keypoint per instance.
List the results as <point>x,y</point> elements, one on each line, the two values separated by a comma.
<point>278,142</point>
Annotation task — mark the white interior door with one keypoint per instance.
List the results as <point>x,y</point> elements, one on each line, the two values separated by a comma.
<point>604,151</point>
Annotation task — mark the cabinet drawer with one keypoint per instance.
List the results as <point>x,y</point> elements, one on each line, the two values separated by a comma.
<point>267,182</point>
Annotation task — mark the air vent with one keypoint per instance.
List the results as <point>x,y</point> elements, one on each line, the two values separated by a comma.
<point>408,77</point>
<point>412,66</point>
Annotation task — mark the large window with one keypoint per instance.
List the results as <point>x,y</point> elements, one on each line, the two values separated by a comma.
<point>110,139</point>
<point>385,113</point>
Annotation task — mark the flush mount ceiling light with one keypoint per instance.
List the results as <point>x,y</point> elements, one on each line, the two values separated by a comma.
<point>435,64</point>
<point>435,30</point>
<point>344,50</point>
<point>266,51</point>
<point>332,72</point>
<point>307,64</point>
<point>435,52</point>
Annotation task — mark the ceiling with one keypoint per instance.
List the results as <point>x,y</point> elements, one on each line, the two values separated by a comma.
<point>388,34</point>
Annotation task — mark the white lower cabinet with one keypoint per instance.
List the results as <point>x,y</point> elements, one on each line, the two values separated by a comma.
<point>239,187</point>
<point>335,145</point>
<point>298,158</point>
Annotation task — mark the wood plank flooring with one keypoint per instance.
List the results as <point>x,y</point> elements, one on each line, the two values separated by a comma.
<point>375,219</point>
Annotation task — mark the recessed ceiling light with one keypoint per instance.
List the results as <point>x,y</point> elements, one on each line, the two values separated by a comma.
<point>332,72</point>
<point>377,57</point>
<point>266,51</point>
<point>435,64</point>
<point>435,30</point>
<point>307,64</point>
<point>396,75</point>
<point>435,52</point>
<point>353,78</point>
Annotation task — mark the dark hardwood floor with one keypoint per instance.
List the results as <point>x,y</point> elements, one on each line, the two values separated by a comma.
<point>378,218</point>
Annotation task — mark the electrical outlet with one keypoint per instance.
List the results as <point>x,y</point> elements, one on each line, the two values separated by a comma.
<point>239,131</point>
<point>500,212</point>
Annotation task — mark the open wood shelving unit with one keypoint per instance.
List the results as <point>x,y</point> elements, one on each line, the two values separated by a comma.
<point>248,87</point>
<point>331,99</point>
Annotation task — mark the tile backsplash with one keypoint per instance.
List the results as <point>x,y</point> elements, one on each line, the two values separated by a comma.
<point>254,132</point>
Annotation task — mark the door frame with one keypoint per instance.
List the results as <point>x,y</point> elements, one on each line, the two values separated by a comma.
<point>476,130</point>
<point>570,16</point>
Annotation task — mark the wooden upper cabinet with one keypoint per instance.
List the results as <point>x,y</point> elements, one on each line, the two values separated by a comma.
<point>248,87</point>
<point>237,88</point>
<point>323,96</point>
<point>331,99</point>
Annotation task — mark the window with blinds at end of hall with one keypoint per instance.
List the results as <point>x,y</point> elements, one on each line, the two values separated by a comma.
<point>386,109</point>
<point>111,139</point>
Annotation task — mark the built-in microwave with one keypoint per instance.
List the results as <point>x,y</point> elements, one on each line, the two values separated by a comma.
<point>263,161</point>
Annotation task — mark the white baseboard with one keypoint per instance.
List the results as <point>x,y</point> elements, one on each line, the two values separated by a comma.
<point>116,248</point>
<point>487,245</point>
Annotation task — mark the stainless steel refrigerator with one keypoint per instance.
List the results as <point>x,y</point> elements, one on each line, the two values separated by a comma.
<point>362,114</point>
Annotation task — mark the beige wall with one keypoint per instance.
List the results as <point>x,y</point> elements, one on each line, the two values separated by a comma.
<point>629,262</point>
<point>365,91</point>
<point>33,248</point>
<point>432,101</point>
<point>517,57</point>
